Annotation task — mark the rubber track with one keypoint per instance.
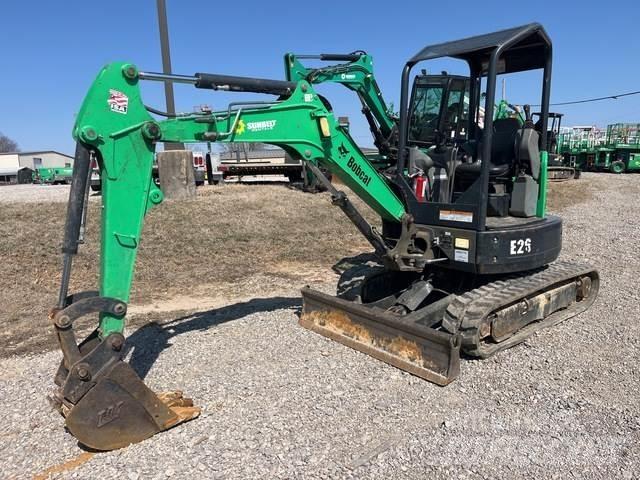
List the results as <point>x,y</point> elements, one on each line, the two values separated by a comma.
<point>561,174</point>
<point>468,310</point>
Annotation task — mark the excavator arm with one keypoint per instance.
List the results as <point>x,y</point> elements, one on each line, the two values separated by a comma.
<point>356,75</point>
<point>105,403</point>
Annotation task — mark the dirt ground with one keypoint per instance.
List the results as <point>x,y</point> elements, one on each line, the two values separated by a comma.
<point>282,402</point>
<point>231,243</point>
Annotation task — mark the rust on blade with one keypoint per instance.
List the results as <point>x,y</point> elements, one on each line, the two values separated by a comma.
<point>393,346</point>
<point>340,323</point>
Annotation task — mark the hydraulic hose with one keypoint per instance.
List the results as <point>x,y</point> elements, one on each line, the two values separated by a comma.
<point>75,208</point>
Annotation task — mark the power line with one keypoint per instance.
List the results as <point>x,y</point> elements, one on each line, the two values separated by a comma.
<point>610,97</point>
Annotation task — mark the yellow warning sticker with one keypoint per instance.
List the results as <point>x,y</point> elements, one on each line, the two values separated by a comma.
<point>462,243</point>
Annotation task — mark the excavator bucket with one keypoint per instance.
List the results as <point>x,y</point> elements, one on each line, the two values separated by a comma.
<point>105,403</point>
<point>120,410</point>
<point>405,341</point>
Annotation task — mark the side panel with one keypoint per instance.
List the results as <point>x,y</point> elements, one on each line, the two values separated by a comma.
<point>515,249</point>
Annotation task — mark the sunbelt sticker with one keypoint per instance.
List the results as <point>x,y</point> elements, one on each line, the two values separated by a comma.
<point>262,126</point>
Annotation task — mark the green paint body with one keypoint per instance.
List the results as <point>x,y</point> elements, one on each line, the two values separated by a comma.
<point>356,76</point>
<point>114,121</point>
<point>541,207</point>
<point>53,174</point>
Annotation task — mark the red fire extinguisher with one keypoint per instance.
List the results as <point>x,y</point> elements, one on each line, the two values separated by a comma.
<point>420,187</point>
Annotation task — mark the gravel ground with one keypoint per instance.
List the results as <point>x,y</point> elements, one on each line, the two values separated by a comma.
<point>282,402</point>
<point>33,193</point>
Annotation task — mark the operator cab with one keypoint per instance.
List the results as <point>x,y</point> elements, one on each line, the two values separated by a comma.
<point>440,126</point>
<point>443,138</point>
<point>463,172</point>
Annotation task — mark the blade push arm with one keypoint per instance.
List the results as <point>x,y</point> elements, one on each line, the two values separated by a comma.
<point>114,122</point>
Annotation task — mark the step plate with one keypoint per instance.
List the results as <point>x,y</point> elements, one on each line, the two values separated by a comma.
<point>397,340</point>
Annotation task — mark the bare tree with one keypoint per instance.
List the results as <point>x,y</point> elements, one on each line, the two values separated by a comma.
<point>7,144</point>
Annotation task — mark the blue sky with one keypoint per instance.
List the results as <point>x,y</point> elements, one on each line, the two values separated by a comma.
<point>53,50</point>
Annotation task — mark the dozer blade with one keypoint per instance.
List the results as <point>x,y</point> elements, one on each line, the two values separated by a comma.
<point>120,410</point>
<point>401,341</point>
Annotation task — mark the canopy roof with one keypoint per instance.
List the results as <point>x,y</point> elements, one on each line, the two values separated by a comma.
<point>526,48</point>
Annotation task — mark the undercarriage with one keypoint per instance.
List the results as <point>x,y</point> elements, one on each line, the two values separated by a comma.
<point>424,326</point>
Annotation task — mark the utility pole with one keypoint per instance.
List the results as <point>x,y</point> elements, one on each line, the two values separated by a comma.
<point>175,164</point>
<point>166,65</point>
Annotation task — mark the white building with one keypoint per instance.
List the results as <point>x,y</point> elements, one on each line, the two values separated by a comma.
<point>11,162</point>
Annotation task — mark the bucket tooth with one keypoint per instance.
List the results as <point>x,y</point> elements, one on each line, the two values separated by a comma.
<point>398,340</point>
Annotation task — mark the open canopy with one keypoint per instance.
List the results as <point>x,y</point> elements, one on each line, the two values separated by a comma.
<point>525,48</point>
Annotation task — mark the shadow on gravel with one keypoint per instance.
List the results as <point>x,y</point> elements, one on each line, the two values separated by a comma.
<point>151,339</point>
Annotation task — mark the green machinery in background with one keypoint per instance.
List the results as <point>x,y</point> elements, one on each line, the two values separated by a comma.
<point>465,261</point>
<point>617,150</point>
<point>53,175</point>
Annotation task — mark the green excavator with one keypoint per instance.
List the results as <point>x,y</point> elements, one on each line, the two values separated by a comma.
<point>464,261</point>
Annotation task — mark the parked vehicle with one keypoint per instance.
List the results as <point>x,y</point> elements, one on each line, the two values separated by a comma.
<point>199,169</point>
<point>53,175</point>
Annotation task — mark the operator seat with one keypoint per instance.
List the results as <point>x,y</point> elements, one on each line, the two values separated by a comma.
<point>503,152</point>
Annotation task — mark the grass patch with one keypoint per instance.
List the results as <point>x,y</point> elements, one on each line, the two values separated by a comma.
<point>226,236</point>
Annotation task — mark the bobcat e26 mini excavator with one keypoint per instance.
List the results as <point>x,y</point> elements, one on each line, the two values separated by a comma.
<point>464,258</point>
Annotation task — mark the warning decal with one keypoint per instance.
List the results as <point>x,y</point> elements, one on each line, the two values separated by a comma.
<point>456,216</point>
<point>461,255</point>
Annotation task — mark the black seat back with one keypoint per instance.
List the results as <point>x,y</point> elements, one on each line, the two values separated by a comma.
<point>503,152</point>
<point>528,152</point>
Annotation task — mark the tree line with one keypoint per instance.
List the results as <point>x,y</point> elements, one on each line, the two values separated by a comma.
<point>7,144</point>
